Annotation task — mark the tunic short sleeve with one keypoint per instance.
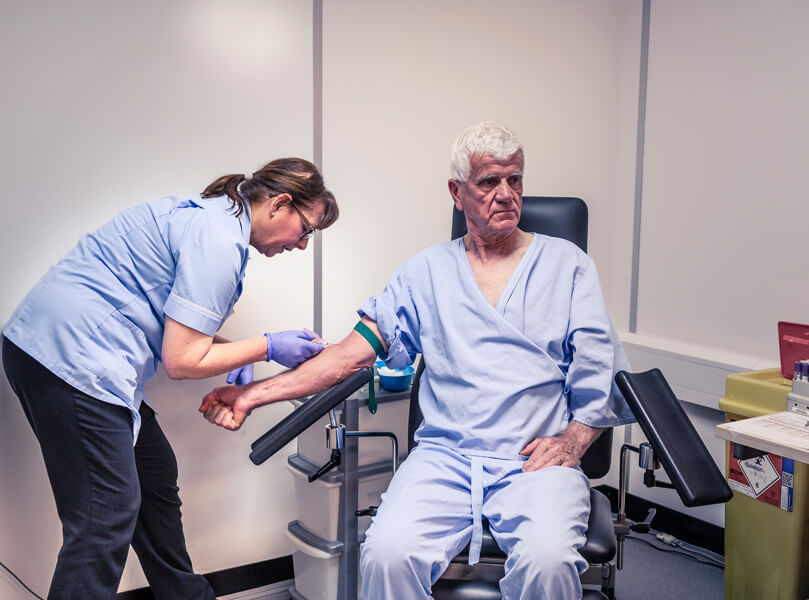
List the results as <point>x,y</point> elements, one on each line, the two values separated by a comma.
<point>206,283</point>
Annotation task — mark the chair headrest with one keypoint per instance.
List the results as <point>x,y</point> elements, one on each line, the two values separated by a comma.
<point>556,216</point>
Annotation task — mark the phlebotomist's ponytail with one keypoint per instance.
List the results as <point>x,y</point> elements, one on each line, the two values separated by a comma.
<point>294,176</point>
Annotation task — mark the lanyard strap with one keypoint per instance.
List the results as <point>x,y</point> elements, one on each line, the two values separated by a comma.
<point>371,338</point>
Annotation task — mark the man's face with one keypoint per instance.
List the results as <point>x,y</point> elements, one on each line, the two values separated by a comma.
<point>492,196</point>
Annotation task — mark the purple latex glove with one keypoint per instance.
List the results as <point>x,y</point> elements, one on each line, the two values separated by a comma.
<point>242,375</point>
<point>290,348</point>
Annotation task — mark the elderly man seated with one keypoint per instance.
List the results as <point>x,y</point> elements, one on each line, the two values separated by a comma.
<point>520,357</point>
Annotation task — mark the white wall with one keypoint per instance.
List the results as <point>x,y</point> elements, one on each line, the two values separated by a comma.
<point>723,150</point>
<point>105,105</point>
<point>723,246</point>
<point>401,80</point>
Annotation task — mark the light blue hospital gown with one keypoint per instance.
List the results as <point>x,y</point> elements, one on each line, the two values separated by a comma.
<point>96,318</point>
<point>496,378</point>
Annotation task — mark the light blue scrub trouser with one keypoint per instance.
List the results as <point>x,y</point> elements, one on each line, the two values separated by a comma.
<point>426,518</point>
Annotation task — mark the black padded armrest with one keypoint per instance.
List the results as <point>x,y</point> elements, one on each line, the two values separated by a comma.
<point>677,444</point>
<point>295,423</point>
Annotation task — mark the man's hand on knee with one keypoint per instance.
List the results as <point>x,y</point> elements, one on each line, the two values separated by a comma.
<point>563,450</point>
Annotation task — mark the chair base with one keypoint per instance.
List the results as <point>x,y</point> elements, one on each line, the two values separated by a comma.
<point>601,575</point>
<point>465,578</point>
<point>485,590</point>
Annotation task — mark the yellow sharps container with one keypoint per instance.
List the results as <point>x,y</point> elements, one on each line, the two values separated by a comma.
<point>766,547</point>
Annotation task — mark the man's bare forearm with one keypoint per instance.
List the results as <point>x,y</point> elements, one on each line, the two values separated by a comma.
<point>581,435</point>
<point>331,366</point>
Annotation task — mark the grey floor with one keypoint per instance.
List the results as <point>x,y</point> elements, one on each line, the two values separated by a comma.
<point>651,574</point>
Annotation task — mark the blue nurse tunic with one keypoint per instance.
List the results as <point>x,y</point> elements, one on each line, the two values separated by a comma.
<point>96,318</point>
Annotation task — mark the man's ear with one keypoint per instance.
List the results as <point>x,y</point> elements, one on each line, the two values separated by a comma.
<point>454,191</point>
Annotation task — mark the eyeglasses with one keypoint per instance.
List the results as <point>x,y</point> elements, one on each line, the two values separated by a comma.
<point>308,230</point>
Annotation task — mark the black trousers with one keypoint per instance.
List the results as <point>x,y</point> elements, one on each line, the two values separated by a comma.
<point>108,493</point>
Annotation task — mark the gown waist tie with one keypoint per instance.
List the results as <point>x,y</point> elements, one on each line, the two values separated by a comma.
<point>477,508</point>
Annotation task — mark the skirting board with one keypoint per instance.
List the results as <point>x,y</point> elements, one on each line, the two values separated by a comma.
<point>273,591</point>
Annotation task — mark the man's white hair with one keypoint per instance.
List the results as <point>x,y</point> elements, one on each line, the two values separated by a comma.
<point>484,139</point>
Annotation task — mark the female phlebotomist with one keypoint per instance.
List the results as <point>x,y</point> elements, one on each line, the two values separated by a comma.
<point>152,285</point>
